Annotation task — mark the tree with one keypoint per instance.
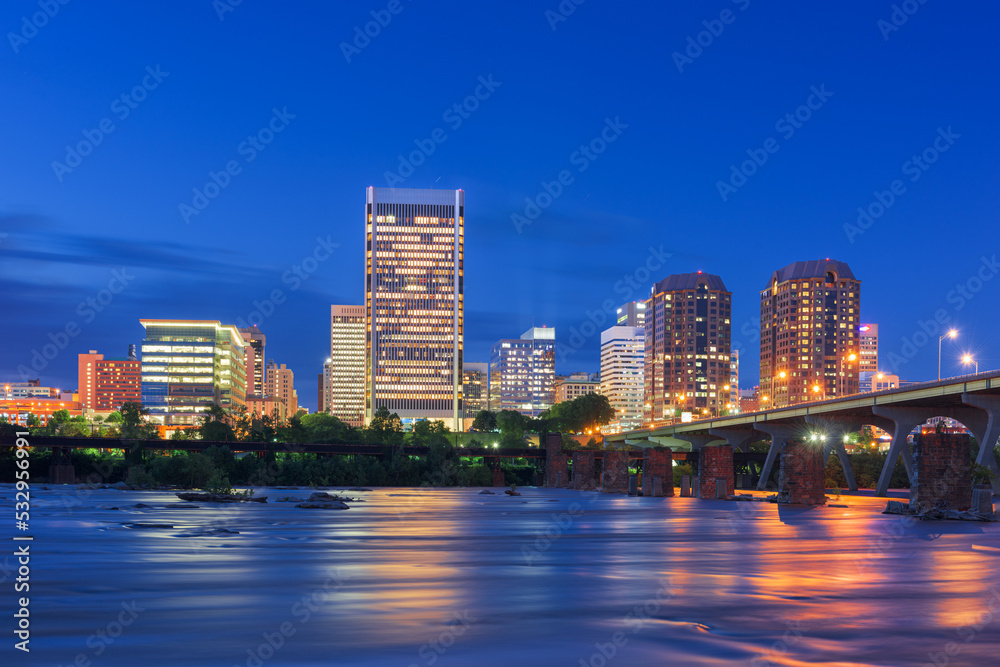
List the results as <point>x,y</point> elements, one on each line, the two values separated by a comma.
<point>485,421</point>
<point>216,426</point>
<point>385,428</point>
<point>324,427</point>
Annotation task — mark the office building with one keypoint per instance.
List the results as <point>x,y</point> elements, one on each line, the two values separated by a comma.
<point>475,390</point>
<point>104,384</point>
<point>868,347</point>
<point>574,385</point>
<point>632,314</point>
<point>414,314</point>
<point>688,344</point>
<point>623,354</point>
<point>522,371</point>
<point>280,383</point>
<point>869,381</point>
<point>254,353</point>
<point>810,313</point>
<point>344,373</point>
<point>734,382</point>
<point>188,365</point>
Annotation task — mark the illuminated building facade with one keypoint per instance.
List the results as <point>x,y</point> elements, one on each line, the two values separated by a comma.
<point>344,373</point>
<point>632,314</point>
<point>575,385</point>
<point>734,382</point>
<point>868,346</point>
<point>414,320</point>
<point>522,371</point>
<point>187,365</point>
<point>280,383</point>
<point>254,353</point>
<point>810,313</point>
<point>623,354</point>
<point>688,343</point>
<point>475,389</point>
<point>104,384</point>
<point>869,381</point>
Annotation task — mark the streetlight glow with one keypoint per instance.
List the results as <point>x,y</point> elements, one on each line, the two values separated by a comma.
<point>952,333</point>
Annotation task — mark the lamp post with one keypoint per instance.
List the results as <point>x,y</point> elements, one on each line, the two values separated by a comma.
<point>967,359</point>
<point>951,334</point>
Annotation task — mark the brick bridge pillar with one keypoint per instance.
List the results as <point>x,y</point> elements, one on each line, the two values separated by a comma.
<point>942,472</point>
<point>658,463</point>
<point>584,470</point>
<point>715,461</point>
<point>61,470</point>
<point>802,474</point>
<point>614,477</point>
<point>556,462</point>
<point>493,463</point>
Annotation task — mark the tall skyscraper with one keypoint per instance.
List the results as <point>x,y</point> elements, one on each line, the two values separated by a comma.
<point>255,349</point>
<point>413,303</point>
<point>868,346</point>
<point>475,389</point>
<point>344,375</point>
<point>809,318</point>
<point>187,365</point>
<point>104,384</point>
<point>688,342</point>
<point>632,314</point>
<point>623,354</point>
<point>280,383</point>
<point>522,370</point>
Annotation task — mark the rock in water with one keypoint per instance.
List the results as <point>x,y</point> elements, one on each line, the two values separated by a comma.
<point>332,505</point>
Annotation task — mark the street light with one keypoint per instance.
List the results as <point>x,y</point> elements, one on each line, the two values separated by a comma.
<point>951,334</point>
<point>967,359</point>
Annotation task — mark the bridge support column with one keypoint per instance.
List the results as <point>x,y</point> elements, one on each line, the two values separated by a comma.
<point>715,463</point>
<point>698,440</point>
<point>614,477</point>
<point>658,463</point>
<point>61,470</point>
<point>988,438</point>
<point>780,434</point>
<point>835,431</point>
<point>737,438</point>
<point>556,466</point>
<point>800,481</point>
<point>584,475</point>
<point>944,474</point>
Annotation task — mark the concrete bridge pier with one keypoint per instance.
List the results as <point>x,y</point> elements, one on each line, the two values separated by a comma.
<point>699,440</point>
<point>988,437</point>
<point>780,434</point>
<point>737,438</point>
<point>835,431</point>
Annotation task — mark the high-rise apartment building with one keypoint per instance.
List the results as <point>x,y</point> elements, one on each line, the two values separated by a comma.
<point>632,314</point>
<point>344,374</point>
<point>868,346</point>
<point>414,313</point>
<point>688,343</point>
<point>734,382</point>
<point>623,354</point>
<point>810,313</point>
<point>187,365</point>
<point>522,371</point>
<point>254,352</point>
<point>280,383</point>
<point>104,384</point>
<point>475,389</point>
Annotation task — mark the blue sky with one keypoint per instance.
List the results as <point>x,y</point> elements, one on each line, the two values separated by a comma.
<point>197,86</point>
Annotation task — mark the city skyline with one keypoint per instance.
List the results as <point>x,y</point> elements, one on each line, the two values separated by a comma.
<point>869,168</point>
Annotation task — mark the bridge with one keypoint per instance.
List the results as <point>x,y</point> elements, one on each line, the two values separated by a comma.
<point>972,400</point>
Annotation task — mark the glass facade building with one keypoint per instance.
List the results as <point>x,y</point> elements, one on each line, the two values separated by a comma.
<point>623,354</point>
<point>344,373</point>
<point>522,371</point>
<point>414,322</point>
<point>187,365</point>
